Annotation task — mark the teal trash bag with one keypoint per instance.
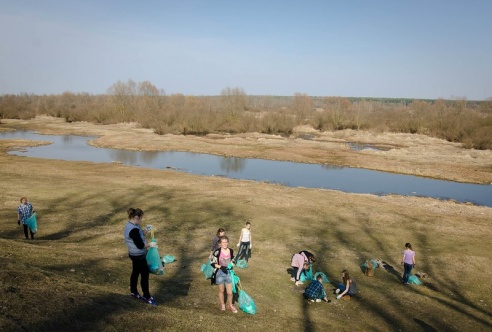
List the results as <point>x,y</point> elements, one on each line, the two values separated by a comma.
<point>246,303</point>
<point>323,277</point>
<point>207,270</point>
<point>374,264</point>
<point>309,273</point>
<point>32,223</point>
<point>414,280</point>
<point>168,259</point>
<point>234,280</point>
<point>242,263</point>
<point>154,261</point>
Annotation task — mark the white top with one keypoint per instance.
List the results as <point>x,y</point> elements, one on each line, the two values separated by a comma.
<point>245,235</point>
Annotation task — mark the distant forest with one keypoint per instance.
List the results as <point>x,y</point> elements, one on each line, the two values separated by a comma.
<point>233,111</point>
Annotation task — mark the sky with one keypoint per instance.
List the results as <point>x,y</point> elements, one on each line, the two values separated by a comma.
<point>425,49</point>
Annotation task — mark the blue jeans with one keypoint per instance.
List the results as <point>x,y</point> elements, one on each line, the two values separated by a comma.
<point>222,278</point>
<point>407,269</point>
<point>342,287</point>
<point>242,251</point>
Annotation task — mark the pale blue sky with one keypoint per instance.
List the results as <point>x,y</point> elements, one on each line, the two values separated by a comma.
<point>353,48</point>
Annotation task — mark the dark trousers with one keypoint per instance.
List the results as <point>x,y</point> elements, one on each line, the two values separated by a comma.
<point>25,232</point>
<point>140,267</point>
<point>243,251</point>
<point>407,269</point>
<point>294,272</point>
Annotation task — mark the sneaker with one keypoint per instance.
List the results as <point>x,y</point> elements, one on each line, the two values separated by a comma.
<point>136,296</point>
<point>151,301</point>
<point>292,279</point>
<point>318,300</point>
<point>231,308</point>
<point>299,283</point>
<point>222,307</point>
<point>337,291</point>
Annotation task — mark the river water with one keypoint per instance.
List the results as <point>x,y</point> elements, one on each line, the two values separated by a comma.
<point>346,179</point>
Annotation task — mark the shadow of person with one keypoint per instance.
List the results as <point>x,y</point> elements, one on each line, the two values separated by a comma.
<point>425,327</point>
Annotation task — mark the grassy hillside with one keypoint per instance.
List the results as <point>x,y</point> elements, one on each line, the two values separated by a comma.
<point>75,275</point>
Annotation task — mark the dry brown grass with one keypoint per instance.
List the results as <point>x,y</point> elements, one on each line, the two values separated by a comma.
<point>75,274</point>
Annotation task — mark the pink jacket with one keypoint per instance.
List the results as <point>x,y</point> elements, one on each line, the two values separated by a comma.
<point>298,261</point>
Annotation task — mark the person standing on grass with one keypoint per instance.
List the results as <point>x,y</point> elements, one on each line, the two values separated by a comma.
<point>221,258</point>
<point>408,262</point>
<point>244,243</point>
<point>137,251</point>
<point>24,212</point>
<point>299,263</point>
<point>215,241</point>
<point>348,288</point>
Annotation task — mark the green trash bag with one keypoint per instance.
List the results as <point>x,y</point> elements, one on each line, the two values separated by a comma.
<point>302,277</point>
<point>242,263</point>
<point>207,270</point>
<point>32,223</point>
<point>168,259</point>
<point>414,280</point>
<point>246,303</point>
<point>323,277</point>
<point>234,279</point>
<point>374,264</point>
<point>309,273</point>
<point>154,261</point>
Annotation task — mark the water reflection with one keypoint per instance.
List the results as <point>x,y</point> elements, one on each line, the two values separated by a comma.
<point>232,164</point>
<point>134,158</point>
<point>362,146</point>
<point>353,180</point>
<point>328,167</point>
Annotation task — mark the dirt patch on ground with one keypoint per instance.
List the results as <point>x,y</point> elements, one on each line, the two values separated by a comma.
<point>398,153</point>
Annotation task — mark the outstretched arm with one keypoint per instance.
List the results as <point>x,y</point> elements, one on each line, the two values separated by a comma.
<point>240,237</point>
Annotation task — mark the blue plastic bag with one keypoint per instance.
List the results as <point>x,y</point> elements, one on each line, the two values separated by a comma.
<point>309,273</point>
<point>154,261</point>
<point>207,270</point>
<point>246,303</point>
<point>168,259</point>
<point>414,280</point>
<point>374,264</point>
<point>323,276</point>
<point>234,278</point>
<point>242,263</point>
<point>32,223</point>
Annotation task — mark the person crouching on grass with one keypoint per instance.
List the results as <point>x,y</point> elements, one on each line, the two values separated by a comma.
<point>299,264</point>
<point>221,276</point>
<point>315,292</point>
<point>348,288</point>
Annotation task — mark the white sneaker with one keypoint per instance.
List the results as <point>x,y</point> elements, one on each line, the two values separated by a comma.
<point>337,291</point>
<point>299,283</point>
<point>318,300</point>
<point>292,279</point>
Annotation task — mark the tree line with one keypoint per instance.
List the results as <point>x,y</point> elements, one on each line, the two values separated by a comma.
<point>233,111</point>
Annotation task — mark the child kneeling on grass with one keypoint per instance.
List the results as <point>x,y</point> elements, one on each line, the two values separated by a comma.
<point>315,292</point>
